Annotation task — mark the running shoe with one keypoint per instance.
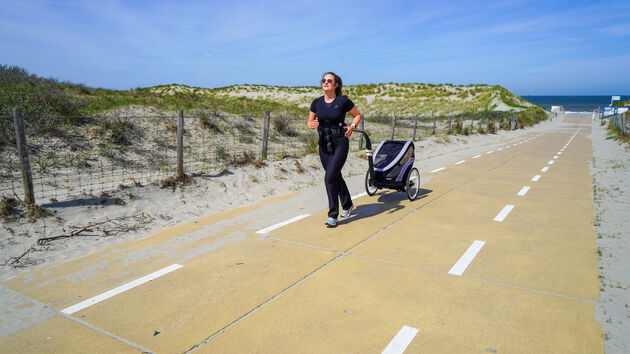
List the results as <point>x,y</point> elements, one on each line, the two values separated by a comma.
<point>346,213</point>
<point>331,222</point>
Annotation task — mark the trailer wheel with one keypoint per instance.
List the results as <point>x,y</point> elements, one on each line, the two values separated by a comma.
<point>369,188</point>
<point>413,184</point>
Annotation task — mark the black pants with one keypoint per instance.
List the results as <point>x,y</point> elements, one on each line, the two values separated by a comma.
<point>335,185</point>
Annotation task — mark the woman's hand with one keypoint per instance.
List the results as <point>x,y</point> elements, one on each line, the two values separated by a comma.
<point>312,122</point>
<point>349,130</point>
<point>356,115</point>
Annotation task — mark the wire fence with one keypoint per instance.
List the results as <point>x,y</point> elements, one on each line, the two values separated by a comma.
<point>89,156</point>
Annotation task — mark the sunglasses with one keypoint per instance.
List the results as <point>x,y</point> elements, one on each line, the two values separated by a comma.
<point>327,80</point>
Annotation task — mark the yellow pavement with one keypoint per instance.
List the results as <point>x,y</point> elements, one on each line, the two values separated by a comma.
<point>498,254</point>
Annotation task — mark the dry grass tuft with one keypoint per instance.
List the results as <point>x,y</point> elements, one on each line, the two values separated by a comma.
<point>459,126</point>
<point>492,129</point>
<point>298,167</point>
<point>10,210</point>
<point>361,154</point>
<point>8,206</point>
<point>35,212</point>
<point>173,182</point>
<point>443,139</point>
<point>314,166</point>
<point>247,158</point>
<point>260,163</point>
<point>171,127</point>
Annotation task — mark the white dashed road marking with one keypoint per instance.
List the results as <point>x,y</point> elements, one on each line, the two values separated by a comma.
<point>504,213</point>
<point>467,258</point>
<point>523,191</point>
<point>132,284</point>
<point>281,224</point>
<point>401,341</point>
<point>358,195</point>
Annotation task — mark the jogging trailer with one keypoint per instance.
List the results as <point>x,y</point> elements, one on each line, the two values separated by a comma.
<point>391,167</point>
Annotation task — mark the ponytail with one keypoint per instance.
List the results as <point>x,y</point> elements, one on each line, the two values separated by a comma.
<point>338,92</point>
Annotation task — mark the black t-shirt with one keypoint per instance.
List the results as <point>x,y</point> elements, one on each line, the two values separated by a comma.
<point>331,114</point>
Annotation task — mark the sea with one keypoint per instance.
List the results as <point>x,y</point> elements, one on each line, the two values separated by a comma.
<point>573,103</point>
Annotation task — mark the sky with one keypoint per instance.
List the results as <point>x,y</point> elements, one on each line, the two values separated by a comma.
<point>529,47</point>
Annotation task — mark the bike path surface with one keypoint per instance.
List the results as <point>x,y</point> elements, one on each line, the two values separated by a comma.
<point>478,263</point>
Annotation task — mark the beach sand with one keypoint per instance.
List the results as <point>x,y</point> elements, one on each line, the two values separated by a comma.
<point>610,168</point>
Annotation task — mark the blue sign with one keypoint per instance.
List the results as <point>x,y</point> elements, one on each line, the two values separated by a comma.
<point>608,111</point>
<point>622,109</point>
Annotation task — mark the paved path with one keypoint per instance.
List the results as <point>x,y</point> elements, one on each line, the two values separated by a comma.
<point>497,255</point>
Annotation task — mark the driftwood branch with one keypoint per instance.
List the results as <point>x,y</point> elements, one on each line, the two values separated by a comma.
<point>15,260</point>
<point>109,227</point>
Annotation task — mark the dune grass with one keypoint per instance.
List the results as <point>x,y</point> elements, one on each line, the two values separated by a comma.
<point>46,101</point>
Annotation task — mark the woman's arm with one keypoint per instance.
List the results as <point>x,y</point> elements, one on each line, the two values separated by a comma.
<point>313,122</point>
<point>354,112</point>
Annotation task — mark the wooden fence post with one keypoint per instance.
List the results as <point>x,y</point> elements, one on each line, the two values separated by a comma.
<point>180,145</point>
<point>20,138</point>
<point>472,122</point>
<point>434,121</point>
<point>415,126</point>
<point>393,125</point>
<point>265,142</point>
<point>515,123</point>
<point>449,124</point>
<point>361,135</point>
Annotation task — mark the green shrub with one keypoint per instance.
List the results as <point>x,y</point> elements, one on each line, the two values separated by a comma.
<point>282,125</point>
<point>222,153</point>
<point>118,132</point>
<point>210,124</point>
<point>37,96</point>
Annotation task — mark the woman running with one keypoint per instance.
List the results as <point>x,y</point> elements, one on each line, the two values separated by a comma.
<point>327,115</point>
